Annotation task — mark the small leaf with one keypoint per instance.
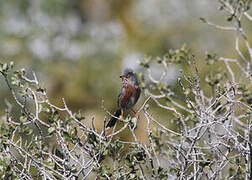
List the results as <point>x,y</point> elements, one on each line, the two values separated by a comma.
<point>39,89</point>
<point>23,119</point>
<point>146,107</point>
<point>51,130</point>
<point>1,67</point>
<point>11,64</point>
<point>203,20</point>
<point>54,117</point>
<point>230,18</point>
<point>66,135</point>
<point>78,116</point>
<point>59,154</point>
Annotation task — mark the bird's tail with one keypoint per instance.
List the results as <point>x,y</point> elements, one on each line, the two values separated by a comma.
<point>112,121</point>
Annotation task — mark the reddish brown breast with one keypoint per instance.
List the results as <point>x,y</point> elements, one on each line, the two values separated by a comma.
<point>130,91</point>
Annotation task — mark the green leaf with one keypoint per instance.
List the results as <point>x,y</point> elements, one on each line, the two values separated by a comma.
<point>74,170</point>
<point>1,67</point>
<point>162,173</point>
<point>5,67</point>
<point>78,116</point>
<point>203,20</point>
<point>59,154</point>
<point>11,64</point>
<point>49,162</point>
<point>146,107</point>
<point>230,18</point>
<point>39,89</point>
<point>204,164</point>
<point>51,130</point>
<point>66,135</point>
<point>23,119</point>
<point>54,117</point>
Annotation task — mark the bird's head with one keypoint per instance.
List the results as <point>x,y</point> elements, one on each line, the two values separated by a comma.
<point>128,76</point>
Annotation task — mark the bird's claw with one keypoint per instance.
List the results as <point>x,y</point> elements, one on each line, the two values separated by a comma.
<point>121,119</point>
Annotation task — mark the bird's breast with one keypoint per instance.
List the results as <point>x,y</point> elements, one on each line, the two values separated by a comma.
<point>128,99</point>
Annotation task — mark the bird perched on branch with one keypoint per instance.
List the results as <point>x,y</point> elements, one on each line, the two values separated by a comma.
<point>128,97</point>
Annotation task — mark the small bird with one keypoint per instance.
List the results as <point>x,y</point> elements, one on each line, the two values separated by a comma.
<point>128,96</point>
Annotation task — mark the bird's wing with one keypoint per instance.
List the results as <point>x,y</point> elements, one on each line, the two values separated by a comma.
<point>138,92</point>
<point>119,98</point>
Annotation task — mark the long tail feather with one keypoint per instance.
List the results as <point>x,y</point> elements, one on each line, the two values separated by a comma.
<point>112,121</point>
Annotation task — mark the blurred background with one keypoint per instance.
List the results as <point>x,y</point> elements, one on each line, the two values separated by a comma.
<point>78,48</point>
